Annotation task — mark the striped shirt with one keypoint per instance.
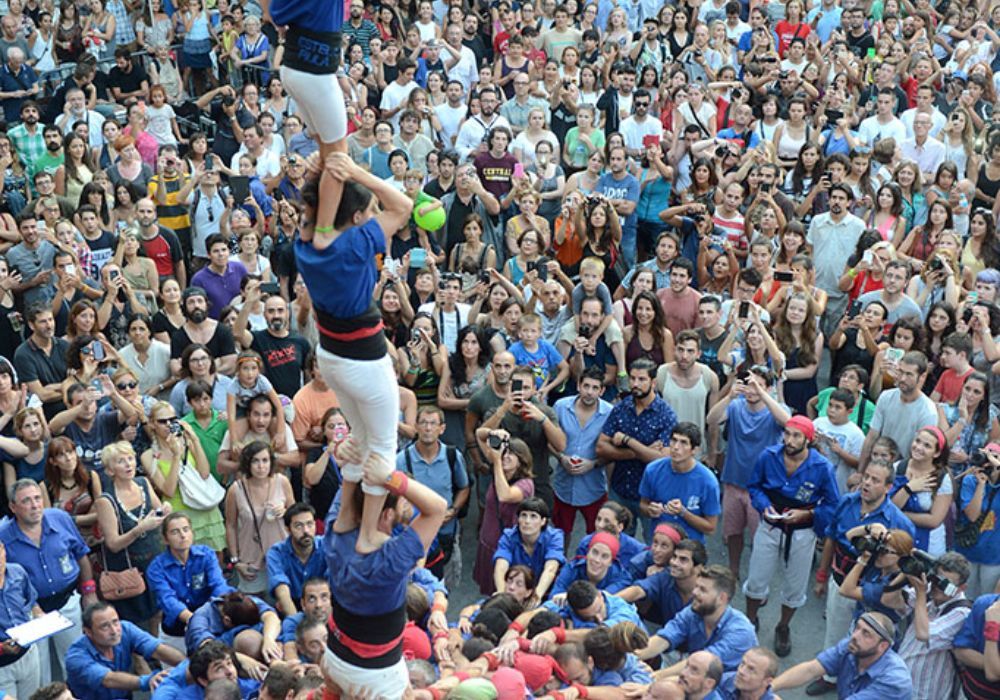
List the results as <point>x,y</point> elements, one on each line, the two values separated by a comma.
<point>30,147</point>
<point>361,35</point>
<point>174,214</point>
<point>931,665</point>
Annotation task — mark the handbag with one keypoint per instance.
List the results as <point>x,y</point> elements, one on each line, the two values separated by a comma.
<point>199,493</point>
<point>119,585</point>
<point>967,535</point>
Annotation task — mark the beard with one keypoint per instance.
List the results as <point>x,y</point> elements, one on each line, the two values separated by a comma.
<point>198,315</point>
<point>276,325</point>
<point>53,146</point>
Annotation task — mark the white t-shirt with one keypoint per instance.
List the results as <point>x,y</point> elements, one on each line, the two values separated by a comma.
<point>849,437</point>
<point>393,96</point>
<point>450,118</point>
<point>871,130</point>
<point>448,322</point>
<point>635,131</point>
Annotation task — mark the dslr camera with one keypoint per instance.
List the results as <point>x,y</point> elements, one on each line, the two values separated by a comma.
<point>868,543</point>
<point>920,562</point>
<point>497,443</point>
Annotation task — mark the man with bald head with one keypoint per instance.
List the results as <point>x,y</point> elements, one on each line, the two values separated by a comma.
<point>664,689</point>
<point>700,676</point>
<point>752,679</point>
<point>923,149</point>
<point>18,82</point>
<point>160,244</point>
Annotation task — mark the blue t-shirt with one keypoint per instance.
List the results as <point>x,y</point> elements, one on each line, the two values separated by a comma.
<point>987,547</point>
<point>543,361</point>
<point>374,583</point>
<point>749,433</point>
<point>697,489</point>
<point>342,276</point>
<point>627,188</point>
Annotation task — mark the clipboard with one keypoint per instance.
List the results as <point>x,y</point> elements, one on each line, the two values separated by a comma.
<point>39,628</point>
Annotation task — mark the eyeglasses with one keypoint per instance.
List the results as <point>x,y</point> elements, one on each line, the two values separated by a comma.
<point>199,359</point>
<point>126,385</point>
<point>211,213</point>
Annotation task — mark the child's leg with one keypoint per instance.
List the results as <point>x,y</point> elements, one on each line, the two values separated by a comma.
<point>240,427</point>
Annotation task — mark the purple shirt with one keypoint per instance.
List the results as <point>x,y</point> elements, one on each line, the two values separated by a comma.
<point>221,289</point>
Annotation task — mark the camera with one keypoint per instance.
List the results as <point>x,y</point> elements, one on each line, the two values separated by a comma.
<point>484,276</point>
<point>967,314</point>
<point>920,562</point>
<point>855,309</point>
<point>541,267</point>
<point>496,442</point>
<point>979,460</point>
<point>228,101</point>
<point>585,331</point>
<point>698,218</point>
<point>721,151</point>
<point>175,427</point>
<point>868,543</point>
<point>935,264</point>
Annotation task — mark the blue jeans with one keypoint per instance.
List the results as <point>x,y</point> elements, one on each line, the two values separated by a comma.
<point>628,246</point>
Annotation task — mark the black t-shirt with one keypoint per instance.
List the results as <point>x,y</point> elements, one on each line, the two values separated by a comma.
<point>401,247</point>
<point>870,94</point>
<point>455,222</point>
<point>322,494</point>
<point>162,324</point>
<point>434,189</point>
<point>220,344</point>
<point>860,44</point>
<point>128,82</point>
<point>284,359</point>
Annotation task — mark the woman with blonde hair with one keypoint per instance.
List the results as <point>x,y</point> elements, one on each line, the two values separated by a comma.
<point>175,447</point>
<point>941,278</point>
<point>958,137</point>
<point>129,514</point>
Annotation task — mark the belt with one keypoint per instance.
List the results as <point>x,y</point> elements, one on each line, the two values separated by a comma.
<point>56,600</point>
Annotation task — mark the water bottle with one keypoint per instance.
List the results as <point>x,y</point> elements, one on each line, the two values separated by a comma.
<point>963,201</point>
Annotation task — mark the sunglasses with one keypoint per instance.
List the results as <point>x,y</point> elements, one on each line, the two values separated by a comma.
<point>126,385</point>
<point>166,421</point>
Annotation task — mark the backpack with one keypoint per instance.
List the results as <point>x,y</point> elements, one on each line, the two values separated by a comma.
<point>452,454</point>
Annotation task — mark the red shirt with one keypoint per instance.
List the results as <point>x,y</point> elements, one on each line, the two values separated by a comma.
<point>949,386</point>
<point>158,250</point>
<point>787,31</point>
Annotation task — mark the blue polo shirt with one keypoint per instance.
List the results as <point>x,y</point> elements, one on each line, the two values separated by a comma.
<point>654,423</point>
<point>86,667</point>
<point>616,578</point>
<point>375,583</point>
<point>581,441</point>
<point>727,688</point>
<point>436,476</point>
<point>549,546</point>
<point>615,610</point>
<point>52,567</point>
<point>179,587</point>
<point>628,546</point>
<point>206,624</point>
<point>847,515</point>
<point>888,677</point>
<point>812,484</point>
<point>971,634</point>
<point>284,566</point>
<point>631,671</point>
<point>730,639</point>
<point>661,591</point>
<point>288,627</point>
<point>176,687</point>
<point>987,547</point>
<point>17,598</point>
<point>697,489</point>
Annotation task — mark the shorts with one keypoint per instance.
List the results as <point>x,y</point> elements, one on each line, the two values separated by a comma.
<point>388,683</point>
<point>737,512</point>
<point>320,102</point>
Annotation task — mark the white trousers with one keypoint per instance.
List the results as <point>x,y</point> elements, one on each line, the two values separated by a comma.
<point>62,641</point>
<point>372,683</point>
<point>320,103</point>
<point>23,677</point>
<point>839,615</point>
<point>982,580</point>
<point>768,557</point>
<point>368,394</point>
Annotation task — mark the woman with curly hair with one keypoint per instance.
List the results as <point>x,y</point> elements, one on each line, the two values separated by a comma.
<point>919,244</point>
<point>598,221</point>
<point>796,333</point>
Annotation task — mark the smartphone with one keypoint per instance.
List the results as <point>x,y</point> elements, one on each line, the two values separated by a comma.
<point>415,335</point>
<point>894,355</point>
<point>518,170</point>
<point>784,275</point>
<point>517,385</point>
<point>240,187</point>
<point>650,140</point>
<point>209,163</point>
<point>972,298</point>
<point>418,258</point>
<point>269,288</point>
<point>340,433</point>
<point>855,309</point>
<point>70,270</point>
<point>114,274</point>
<point>98,350</point>
<point>867,257</point>
<point>744,311</point>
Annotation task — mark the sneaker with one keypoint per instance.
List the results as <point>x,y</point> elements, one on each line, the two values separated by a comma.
<point>782,641</point>
<point>820,686</point>
<point>623,386</point>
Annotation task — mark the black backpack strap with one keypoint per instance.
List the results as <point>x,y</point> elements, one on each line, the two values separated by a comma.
<point>409,464</point>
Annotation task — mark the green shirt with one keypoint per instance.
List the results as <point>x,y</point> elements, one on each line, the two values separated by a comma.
<point>210,437</point>
<point>823,399</point>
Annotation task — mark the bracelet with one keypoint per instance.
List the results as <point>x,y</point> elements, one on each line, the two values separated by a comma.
<point>991,631</point>
<point>88,587</point>
<point>580,689</point>
<point>436,693</point>
<point>560,634</point>
<point>822,575</point>
<point>323,229</point>
<point>906,487</point>
<point>492,662</point>
<point>439,607</point>
<point>397,483</point>
<point>439,635</point>
<point>516,626</point>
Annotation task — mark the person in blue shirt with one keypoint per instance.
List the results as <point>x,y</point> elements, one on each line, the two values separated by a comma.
<point>868,508</point>
<point>700,675</point>
<point>214,661</point>
<point>708,623</point>
<point>292,561</point>
<point>636,433</point>
<point>664,594</point>
<point>336,258</point>
<point>185,576</point>
<point>549,368</point>
<point>98,664</point>
<point>880,587</point>
<point>238,619</point>
<point>977,668</point>
<point>610,649</point>
<point>532,542</point>
<point>752,678</point>
<point>657,558</point>
<point>599,567</point>
<point>864,663</point>
<point>47,543</point>
<point>614,519</point>
<point>794,489</point>
<point>316,605</point>
<point>680,490</point>
<point>978,496</point>
<point>621,189</point>
<point>20,674</point>
<point>369,587</point>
